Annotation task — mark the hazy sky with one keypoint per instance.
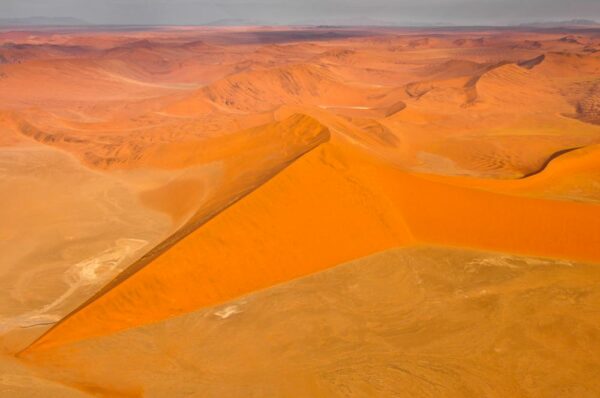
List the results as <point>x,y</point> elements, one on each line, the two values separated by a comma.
<point>304,11</point>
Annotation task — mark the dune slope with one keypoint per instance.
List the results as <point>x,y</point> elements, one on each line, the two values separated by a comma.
<point>334,204</point>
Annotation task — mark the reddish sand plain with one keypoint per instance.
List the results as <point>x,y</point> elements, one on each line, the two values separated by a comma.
<point>165,178</point>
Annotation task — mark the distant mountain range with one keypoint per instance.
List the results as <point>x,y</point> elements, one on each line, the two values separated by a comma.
<point>324,21</point>
<point>367,21</point>
<point>236,22</point>
<point>42,21</point>
<point>571,22</point>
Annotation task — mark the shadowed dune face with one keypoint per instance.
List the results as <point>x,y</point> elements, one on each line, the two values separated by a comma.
<point>149,174</point>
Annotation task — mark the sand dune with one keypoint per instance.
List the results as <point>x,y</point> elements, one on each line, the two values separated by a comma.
<point>391,203</point>
<point>588,108</point>
<point>291,84</point>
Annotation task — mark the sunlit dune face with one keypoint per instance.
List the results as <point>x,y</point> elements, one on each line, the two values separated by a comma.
<point>155,182</point>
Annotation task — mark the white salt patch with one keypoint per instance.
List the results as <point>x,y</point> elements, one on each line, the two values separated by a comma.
<point>228,311</point>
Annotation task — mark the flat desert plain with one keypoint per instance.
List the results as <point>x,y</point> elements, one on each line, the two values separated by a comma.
<point>299,212</point>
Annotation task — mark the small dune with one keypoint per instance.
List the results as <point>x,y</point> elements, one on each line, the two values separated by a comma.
<point>532,63</point>
<point>588,108</point>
